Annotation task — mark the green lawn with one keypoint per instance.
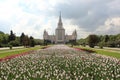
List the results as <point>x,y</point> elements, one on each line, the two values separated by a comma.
<point>6,53</point>
<point>109,53</point>
<point>103,52</point>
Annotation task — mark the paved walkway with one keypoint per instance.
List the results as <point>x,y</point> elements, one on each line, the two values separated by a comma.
<point>59,46</point>
<point>5,48</point>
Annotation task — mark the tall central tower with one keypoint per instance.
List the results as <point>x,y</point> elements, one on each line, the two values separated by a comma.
<point>59,37</point>
<point>60,32</point>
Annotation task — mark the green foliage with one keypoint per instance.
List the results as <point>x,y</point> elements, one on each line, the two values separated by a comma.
<point>73,42</point>
<point>113,41</point>
<point>14,43</point>
<point>32,42</point>
<point>38,42</point>
<point>103,41</point>
<point>106,38</point>
<point>92,40</point>
<point>10,46</point>
<point>11,36</point>
<point>26,41</point>
<point>3,39</point>
<point>100,44</point>
<point>118,43</point>
<point>47,42</point>
<point>6,40</point>
<point>22,38</point>
<point>1,32</point>
<point>82,42</point>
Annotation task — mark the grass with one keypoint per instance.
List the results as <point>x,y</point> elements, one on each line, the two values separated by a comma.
<point>17,51</point>
<point>102,51</point>
<point>109,53</point>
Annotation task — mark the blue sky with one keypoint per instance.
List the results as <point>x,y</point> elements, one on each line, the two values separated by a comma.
<point>86,16</point>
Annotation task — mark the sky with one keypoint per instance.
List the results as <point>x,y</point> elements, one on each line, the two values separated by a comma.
<point>34,16</point>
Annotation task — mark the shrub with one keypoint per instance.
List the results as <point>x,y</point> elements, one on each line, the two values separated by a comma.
<point>92,40</point>
<point>111,44</point>
<point>101,45</point>
<point>14,43</point>
<point>10,46</point>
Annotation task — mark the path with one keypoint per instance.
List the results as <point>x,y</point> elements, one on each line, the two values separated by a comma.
<point>59,46</point>
<point>17,49</point>
<point>7,48</point>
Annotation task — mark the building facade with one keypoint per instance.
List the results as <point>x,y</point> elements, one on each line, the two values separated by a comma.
<point>59,36</point>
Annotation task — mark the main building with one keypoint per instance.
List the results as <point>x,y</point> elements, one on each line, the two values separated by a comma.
<point>59,36</point>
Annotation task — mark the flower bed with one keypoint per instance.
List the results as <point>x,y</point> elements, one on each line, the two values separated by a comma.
<point>44,47</point>
<point>20,54</point>
<point>60,64</point>
<point>14,56</point>
<point>87,50</point>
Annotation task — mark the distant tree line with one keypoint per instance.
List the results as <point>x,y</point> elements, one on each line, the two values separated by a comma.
<point>11,39</point>
<point>101,41</point>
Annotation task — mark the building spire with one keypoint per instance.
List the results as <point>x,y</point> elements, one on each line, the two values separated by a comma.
<point>60,20</point>
<point>60,25</point>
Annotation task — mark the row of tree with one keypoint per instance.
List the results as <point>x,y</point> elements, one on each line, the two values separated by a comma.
<point>3,39</point>
<point>13,40</point>
<point>101,41</point>
<point>27,41</point>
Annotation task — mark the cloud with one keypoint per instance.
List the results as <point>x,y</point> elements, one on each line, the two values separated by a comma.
<point>90,14</point>
<point>111,26</point>
<point>33,16</point>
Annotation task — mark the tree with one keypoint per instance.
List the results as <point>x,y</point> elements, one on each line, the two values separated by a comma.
<point>82,42</point>
<point>26,41</point>
<point>32,42</point>
<point>39,42</point>
<point>22,37</point>
<point>100,44</point>
<point>73,42</point>
<point>92,40</point>
<point>3,39</point>
<point>111,44</point>
<point>14,43</point>
<point>106,38</point>
<point>11,36</point>
<point>1,32</point>
<point>118,43</point>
